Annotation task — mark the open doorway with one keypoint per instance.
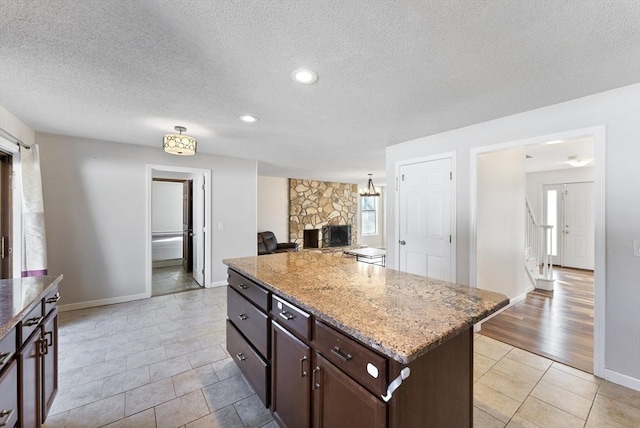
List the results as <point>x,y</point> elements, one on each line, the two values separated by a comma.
<point>179,211</point>
<point>565,324</point>
<point>172,236</point>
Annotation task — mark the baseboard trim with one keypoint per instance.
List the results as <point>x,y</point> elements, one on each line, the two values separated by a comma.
<point>218,283</point>
<point>101,302</point>
<point>519,298</point>
<point>622,379</point>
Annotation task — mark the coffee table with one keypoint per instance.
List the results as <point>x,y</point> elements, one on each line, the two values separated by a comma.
<point>374,256</point>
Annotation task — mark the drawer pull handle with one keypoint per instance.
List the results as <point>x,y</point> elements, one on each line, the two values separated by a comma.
<point>243,317</point>
<point>337,352</point>
<point>50,339</point>
<point>395,384</point>
<point>287,315</point>
<point>241,285</point>
<point>4,413</point>
<point>303,373</point>
<point>43,343</point>
<point>4,356</point>
<point>314,373</point>
<point>33,321</point>
<point>241,356</point>
<point>53,299</point>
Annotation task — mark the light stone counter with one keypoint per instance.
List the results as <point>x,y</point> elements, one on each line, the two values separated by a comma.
<point>400,315</point>
<point>18,296</point>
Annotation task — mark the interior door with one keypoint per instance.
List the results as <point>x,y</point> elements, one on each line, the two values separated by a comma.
<point>425,219</point>
<point>198,229</point>
<point>578,250</point>
<point>187,225</point>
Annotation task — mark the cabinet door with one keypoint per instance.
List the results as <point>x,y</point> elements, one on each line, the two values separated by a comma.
<point>9,395</point>
<point>30,380</point>
<point>291,374</point>
<point>340,402</point>
<point>49,362</point>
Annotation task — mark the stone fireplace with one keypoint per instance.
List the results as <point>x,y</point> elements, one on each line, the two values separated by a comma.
<point>315,204</point>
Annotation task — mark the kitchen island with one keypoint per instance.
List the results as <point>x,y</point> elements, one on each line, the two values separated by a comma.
<point>326,341</point>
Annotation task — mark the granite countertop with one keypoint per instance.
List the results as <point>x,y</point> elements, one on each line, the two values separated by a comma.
<point>400,315</point>
<point>18,296</point>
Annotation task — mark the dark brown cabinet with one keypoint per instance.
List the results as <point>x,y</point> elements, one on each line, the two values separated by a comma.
<point>9,395</point>
<point>338,401</point>
<point>30,381</point>
<point>49,351</point>
<point>291,379</point>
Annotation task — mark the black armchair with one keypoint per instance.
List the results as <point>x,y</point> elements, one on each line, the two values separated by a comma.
<point>268,244</point>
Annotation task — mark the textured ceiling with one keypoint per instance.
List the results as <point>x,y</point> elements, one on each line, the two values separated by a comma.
<point>389,71</point>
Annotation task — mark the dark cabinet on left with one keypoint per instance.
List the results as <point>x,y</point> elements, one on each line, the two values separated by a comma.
<point>29,364</point>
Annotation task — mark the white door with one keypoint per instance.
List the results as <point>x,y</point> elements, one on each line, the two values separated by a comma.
<point>198,229</point>
<point>578,226</point>
<point>425,219</point>
<point>552,215</point>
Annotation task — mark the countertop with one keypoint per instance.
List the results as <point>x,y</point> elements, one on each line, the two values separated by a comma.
<point>18,296</point>
<point>400,315</point>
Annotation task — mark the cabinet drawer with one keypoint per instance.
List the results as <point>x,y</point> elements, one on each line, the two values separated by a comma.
<point>30,323</point>
<point>254,368</point>
<point>358,361</point>
<point>9,395</point>
<point>249,289</point>
<point>292,318</point>
<point>250,320</point>
<point>50,301</point>
<point>7,349</point>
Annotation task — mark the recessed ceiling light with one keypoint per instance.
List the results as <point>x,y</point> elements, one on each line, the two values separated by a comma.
<point>249,119</point>
<point>304,76</point>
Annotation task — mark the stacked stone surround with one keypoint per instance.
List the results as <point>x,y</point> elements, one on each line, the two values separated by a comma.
<point>313,204</point>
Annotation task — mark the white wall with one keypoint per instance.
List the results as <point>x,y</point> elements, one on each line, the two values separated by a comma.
<point>273,206</point>
<point>535,181</point>
<point>166,206</point>
<point>95,197</point>
<point>16,127</point>
<point>619,111</point>
<point>499,222</point>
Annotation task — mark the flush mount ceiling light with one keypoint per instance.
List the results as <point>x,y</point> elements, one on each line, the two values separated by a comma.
<point>304,76</point>
<point>371,189</point>
<point>182,145</point>
<point>248,118</point>
<point>577,162</point>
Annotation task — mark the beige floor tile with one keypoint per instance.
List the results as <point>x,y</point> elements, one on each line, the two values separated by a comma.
<point>194,379</point>
<point>252,412</point>
<point>531,360</point>
<point>494,403</point>
<point>481,365</point>
<point>620,393</point>
<point>518,370</point>
<point>572,403</point>
<point>507,384</point>
<point>482,419</point>
<point>56,421</point>
<point>491,348</point>
<point>148,396</point>
<point>169,367</point>
<point>182,347</point>
<point>597,420</point>
<point>77,396</point>
<point>97,414</point>
<point>122,382</point>
<point>223,418</point>
<point>226,392</point>
<point>104,369</point>
<point>518,422</point>
<point>571,383</point>
<point>577,373</point>
<point>225,368</point>
<point>145,358</point>
<point>182,410</point>
<point>206,356</point>
<point>547,416</point>
<point>144,419</point>
<point>616,411</point>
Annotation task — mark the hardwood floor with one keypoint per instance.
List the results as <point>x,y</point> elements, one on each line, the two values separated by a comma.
<point>555,324</point>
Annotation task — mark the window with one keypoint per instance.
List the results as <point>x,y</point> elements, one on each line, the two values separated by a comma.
<point>369,215</point>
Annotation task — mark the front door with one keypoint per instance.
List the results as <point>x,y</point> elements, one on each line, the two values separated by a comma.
<point>425,218</point>
<point>578,249</point>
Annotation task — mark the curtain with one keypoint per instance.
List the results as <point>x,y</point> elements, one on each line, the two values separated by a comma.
<point>34,260</point>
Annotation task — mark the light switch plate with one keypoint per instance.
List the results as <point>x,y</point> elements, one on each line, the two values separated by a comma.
<point>636,248</point>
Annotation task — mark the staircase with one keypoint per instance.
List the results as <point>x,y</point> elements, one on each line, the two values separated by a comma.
<point>537,256</point>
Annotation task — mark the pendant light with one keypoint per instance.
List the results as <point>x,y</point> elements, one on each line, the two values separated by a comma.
<point>178,144</point>
<point>371,189</point>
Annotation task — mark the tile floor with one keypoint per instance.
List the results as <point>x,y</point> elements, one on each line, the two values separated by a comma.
<point>162,362</point>
<point>172,279</point>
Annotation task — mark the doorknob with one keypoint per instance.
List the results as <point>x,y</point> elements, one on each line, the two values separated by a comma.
<point>403,242</point>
